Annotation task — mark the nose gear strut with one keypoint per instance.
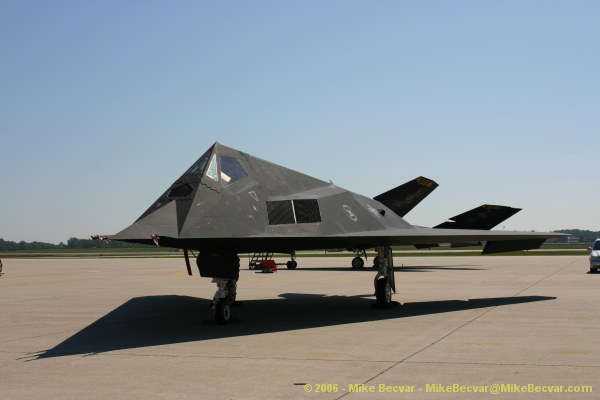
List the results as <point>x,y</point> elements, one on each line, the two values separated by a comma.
<point>224,299</point>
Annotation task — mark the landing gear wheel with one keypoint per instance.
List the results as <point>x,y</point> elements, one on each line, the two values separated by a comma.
<point>383,292</point>
<point>223,312</point>
<point>357,263</point>
<point>291,264</point>
<point>376,262</point>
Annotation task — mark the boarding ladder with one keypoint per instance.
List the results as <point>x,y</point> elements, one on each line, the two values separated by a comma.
<point>257,260</point>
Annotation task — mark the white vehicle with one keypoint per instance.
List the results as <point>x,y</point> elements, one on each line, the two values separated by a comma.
<point>595,256</point>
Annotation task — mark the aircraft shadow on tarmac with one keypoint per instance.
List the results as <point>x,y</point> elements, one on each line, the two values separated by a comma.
<point>161,320</point>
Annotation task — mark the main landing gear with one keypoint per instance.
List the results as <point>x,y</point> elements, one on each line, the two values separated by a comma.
<point>224,270</point>
<point>358,262</point>
<point>384,280</point>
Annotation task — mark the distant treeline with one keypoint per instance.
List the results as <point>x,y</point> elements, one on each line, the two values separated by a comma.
<point>72,243</point>
<point>581,236</point>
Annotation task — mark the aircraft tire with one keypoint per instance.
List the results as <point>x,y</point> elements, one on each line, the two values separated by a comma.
<point>357,263</point>
<point>383,292</point>
<point>291,264</point>
<point>223,312</point>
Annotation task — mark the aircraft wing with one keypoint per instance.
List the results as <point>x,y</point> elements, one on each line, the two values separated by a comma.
<point>496,241</point>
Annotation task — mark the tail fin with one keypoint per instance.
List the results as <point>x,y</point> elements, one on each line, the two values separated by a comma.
<point>405,197</point>
<point>484,217</point>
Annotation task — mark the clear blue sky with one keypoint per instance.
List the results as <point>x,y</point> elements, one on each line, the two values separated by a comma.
<point>104,103</point>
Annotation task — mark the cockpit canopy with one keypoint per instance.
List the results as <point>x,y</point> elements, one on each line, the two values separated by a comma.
<point>230,168</point>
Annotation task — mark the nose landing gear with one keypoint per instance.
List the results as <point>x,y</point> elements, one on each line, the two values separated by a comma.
<point>224,300</point>
<point>224,269</point>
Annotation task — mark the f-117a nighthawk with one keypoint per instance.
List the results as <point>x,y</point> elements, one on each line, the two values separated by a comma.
<point>229,202</point>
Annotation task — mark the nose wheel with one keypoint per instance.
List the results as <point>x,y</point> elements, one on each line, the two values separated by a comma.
<point>223,311</point>
<point>224,300</point>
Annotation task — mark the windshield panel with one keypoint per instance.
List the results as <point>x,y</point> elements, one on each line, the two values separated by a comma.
<point>231,170</point>
<point>211,172</point>
<point>198,167</point>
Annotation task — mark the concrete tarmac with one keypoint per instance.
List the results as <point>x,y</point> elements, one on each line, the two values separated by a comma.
<point>142,329</point>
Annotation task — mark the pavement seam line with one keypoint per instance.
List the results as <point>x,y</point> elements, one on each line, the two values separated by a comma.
<point>38,336</point>
<point>420,350</point>
<point>340,360</point>
<point>244,358</point>
<point>504,364</point>
<point>544,278</point>
<point>457,329</point>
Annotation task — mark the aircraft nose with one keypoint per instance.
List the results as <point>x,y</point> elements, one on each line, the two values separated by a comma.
<point>160,222</point>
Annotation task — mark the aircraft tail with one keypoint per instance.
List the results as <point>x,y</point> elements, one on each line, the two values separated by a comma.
<point>405,197</point>
<point>484,217</point>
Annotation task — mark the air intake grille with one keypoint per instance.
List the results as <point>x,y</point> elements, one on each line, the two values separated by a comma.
<point>307,211</point>
<point>280,212</point>
<point>293,212</point>
<point>181,191</point>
